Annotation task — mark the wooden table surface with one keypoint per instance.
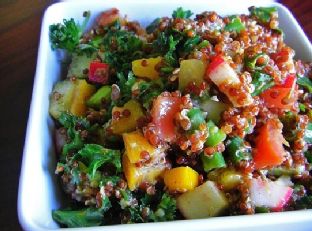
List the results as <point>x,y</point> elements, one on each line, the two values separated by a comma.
<point>19,35</point>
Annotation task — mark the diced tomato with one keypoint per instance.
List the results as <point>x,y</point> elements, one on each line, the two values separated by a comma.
<point>108,17</point>
<point>282,96</point>
<point>215,62</point>
<point>98,72</point>
<point>289,81</point>
<point>281,56</point>
<point>163,113</point>
<point>269,146</point>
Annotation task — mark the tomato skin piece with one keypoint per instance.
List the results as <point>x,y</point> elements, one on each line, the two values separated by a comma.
<point>269,146</point>
<point>278,96</point>
<point>163,113</point>
<point>216,61</point>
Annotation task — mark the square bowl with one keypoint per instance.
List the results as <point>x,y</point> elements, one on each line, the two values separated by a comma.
<point>39,191</point>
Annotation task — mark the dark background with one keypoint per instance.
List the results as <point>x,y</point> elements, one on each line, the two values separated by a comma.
<point>19,35</point>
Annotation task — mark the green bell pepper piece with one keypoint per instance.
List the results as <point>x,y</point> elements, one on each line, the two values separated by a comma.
<point>215,135</point>
<point>212,162</point>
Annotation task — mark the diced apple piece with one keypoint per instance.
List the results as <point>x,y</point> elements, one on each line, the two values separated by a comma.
<point>214,109</point>
<point>82,93</point>
<point>222,72</point>
<point>146,67</point>
<point>270,194</point>
<point>204,201</point>
<point>129,123</point>
<point>181,179</point>
<point>79,64</point>
<point>191,70</point>
<point>224,76</point>
<point>137,175</point>
<point>135,145</point>
<point>61,98</point>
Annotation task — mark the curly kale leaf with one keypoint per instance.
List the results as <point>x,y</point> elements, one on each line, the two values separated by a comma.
<point>66,35</point>
<point>125,84</point>
<point>121,48</point>
<point>262,14</point>
<point>304,203</point>
<point>305,82</point>
<point>71,123</point>
<point>166,209</point>
<point>78,218</point>
<point>94,156</point>
<point>181,13</point>
<point>161,208</point>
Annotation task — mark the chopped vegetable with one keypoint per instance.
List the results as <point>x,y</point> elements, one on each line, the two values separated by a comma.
<point>213,108</point>
<point>191,70</point>
<point>146,67</point>
<point>261,82</point>
<point>237,150</point>
<point>67,35</point>
<point>181,179</point>
<point>137,147</point>
<point>263,14</point>
<point>94,156</point>
<point>137,175</point>
<point>196,117</point>
<point>78,218</point>
<point>82,93</point>
<point>215,135</point>
<point>204,201</point>
<point>102,95</point>
<point>269,194</point>
<point>269,146</point>
<point>305,82</point>
<point>163,112</point>
<point>127,116</point>
<point>235,25</point>
<point>61,98</point>
<point>216,160</point>
<point>99,73</point>
<point>180,13</point>
<point>226,177</point>
<point>221,73</point>
<point>257,62</point>
<point>281,96</point>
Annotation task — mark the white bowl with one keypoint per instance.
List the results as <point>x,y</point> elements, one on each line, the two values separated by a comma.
<point>39,191</point>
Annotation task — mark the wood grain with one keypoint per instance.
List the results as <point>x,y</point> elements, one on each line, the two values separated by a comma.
<point>19,35</point>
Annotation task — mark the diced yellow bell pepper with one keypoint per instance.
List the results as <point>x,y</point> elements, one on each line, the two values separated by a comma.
<point>135,144</point>
<point>146,67</point>
<point>82,93</point>
<point>70,96</point>
<point>131,172</point>
<point>181,179</point>
<point>129,123</point>
<point>135,176</point>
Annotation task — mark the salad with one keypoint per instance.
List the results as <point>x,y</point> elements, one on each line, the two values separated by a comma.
<point>194,116</point>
